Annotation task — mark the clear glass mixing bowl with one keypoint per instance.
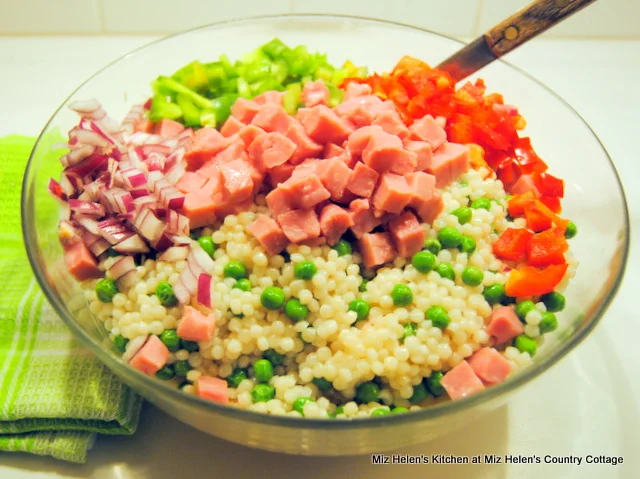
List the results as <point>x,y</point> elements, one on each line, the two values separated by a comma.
<point>594,201</point>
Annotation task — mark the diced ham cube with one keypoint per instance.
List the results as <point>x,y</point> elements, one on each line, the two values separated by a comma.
<point>151,357</point>
<point>200,209</point>
<point>334,175</point>
<point>331,150</point>
<point>207,142</point>
<point>270,150</point>
<point>407,233</point>
<point>244,110</point>
<point>213,389</point>
<point>490,366</point>
<point>385,152</point>
<point>504,324</point>
<point>427,129</point>
<point>423,151</point>
<point>362,110</point>
<point>272,118</point>
<point>235,151</point>
<point>343,154</point>
<point>278,202</point>
<point>231,126</point>
<point>448,163</point>
<point>363,180</point>
<point>315,93</point>
<point>429,210</point>
<point>81,263</point>
<point>280,174</point>
<point>300,225</point>
<point>305,146</point>
<point>524,184</point>
<point>461,382</point>
<point>270,97</point>
<point>235,208</point>
<point>423,187</point>
<point>324,126</point>
<point>304,191</point>
<point>363,217</point>
<point>195,326</point>
<point>191,181</point>
<point>334,222</point>
<point>391,123</point>
<point>376,249</point>
<point>346,198</point>
<point>356,89</point>
<point>313,242</point>
<point>269,234</point>
<point>359,139</point>
<point>236,175</point>
<point>250,133</point>
<point>168,128</point>
<point>392,194</point>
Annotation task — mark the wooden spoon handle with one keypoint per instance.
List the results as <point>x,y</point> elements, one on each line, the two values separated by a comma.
<point>529,22</point>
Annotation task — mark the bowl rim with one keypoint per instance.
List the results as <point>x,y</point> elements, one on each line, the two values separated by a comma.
<point>442,409</point>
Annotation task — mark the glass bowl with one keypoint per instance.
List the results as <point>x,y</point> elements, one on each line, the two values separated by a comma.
<point>594,201</point>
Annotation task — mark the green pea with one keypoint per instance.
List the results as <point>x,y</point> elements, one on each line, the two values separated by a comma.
<point>472,276</point>
<point>263,370</point>
<point>402,295</point>
<point>445,270</point>
<point>181,368</point>
<point>322,384</point>
<point>399,410</point>
<point>299,404</point>
<point>484,203</point>
<point>207,245</point>
<point>571,231</point>
<point>363,286</point>
<point>463,214</point>
<point>449,237</point>
<point>361,308</point>
<point>438,316</point>
<point>553,301</point>
<point>420,393</point>
<point>432,245</point>
<point>165,373</point>
<point>191,346</point>
<point>234,269</point>
<point>410,329</point>
<point>295,310</point>
<point>305,270</point>
<point>424,261</point>
<point>523,308</point>
<point>494,293</point>
<point>367,392</point>
<point>243,284</point>
<point>236,377</point>
<point>525,344</point>
<point>273,356</point>
<point>467,244</point>
<point>106,289</point>
<point>343,247</point>
<point>120,343</point>
<point>433,383</point>
<point>381,411</point>
<point>272,297</point>
<point>170,339</point>
<point>262,393</point>
<point>164,292</point>
<point>548,323</point>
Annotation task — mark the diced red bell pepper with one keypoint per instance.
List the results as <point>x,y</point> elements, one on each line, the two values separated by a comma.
<point>488,136</point>
<point>512,244</point>
<point>540,217</point>
<point>553,203</point>
<point>547,248</point>
<point>549,185</point>
<point>516,204</point>
<point>527,158</point>
<point>531,281</point>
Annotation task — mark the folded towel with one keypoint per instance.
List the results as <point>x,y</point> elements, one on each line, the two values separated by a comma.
<point>54,394</point>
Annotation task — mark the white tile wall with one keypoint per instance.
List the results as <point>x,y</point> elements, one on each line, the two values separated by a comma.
<point>463,18</point>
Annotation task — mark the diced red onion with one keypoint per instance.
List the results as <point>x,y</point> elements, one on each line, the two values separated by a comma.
<point>155,161</point>
<point>133,178</point>
<point>508,109</point>
<point>182,240</point>
<point>89,238</point>
<point>114,231</point>
<point>141,138</point>
<point>204,290</point>
<point>175,253</point>
<point>176,172</point>
<point>87,137</point>
<point>148,225</point>
<point>85,196</point>
<point>99,246</point>
<point>87,208</point>
<point>88,109</point>
<point>128,280</point>
<point>193,265</point>
<point>189,281</point>
<point>132,245</point>
<point>202,258</point>
<point>70,183</point>
<point>163,242</point>
<point>133,347</point>
<point>138,193</point>
<point>181,292</point>
<point>147,104</point>
<point>185,139</point>
<point>171,198</point>
<point>90,224</point>
<point>90,165</point>
<point>177,223</point>
<point>76,155</point>
<point>56,190</point>
<point>136,161</point>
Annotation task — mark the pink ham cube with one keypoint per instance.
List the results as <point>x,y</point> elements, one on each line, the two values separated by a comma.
<point>423,187</point>
<point>315,93</point>
<point>429,210</point>
<point>213,389</point>
<point>356,89</point>
<point>278,202</point>
<point>244,110</point>
<point>81,263</point>
<point>461,382</point>
<point>195,326</point>
<point>272,118</point>
<point>168,128</point>
<point>324,126</point>
<point>270,150</point>
<point>250,133</point>
<point>334,222</point>
<point>490,366</point>
<point>391,123</point>
<point>359,139</point>
<point>407,233</point>
<point>268,234</point>
<point>363,217</point>
<point>231,126</point>
<point>334,175</point>
<point>376,249</point>
<point>385,152</point>
<point>151,357</point>
<point>448,163</point>
<point>427,129</point>
<point>504,324</point>
<point>238,181</point>
<point>304,191</point>
<point>363,180</point>
<point>191,181</point>
<point>280,174</point>
<point>331,150</point>
<point>270,97</point>
<point>423,151</point>
<point>393,193</point>
<point>234,151</point>
<point>305,146</point>
<point>362,110</point>
<point>300,225</point>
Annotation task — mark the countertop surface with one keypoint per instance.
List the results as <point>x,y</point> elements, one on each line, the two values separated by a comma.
<point>571,410</point>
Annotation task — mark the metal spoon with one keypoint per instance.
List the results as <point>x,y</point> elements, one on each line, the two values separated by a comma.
<point>509,34</point>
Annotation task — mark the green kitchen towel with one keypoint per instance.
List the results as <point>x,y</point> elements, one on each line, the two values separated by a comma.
<point>54,394</point>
